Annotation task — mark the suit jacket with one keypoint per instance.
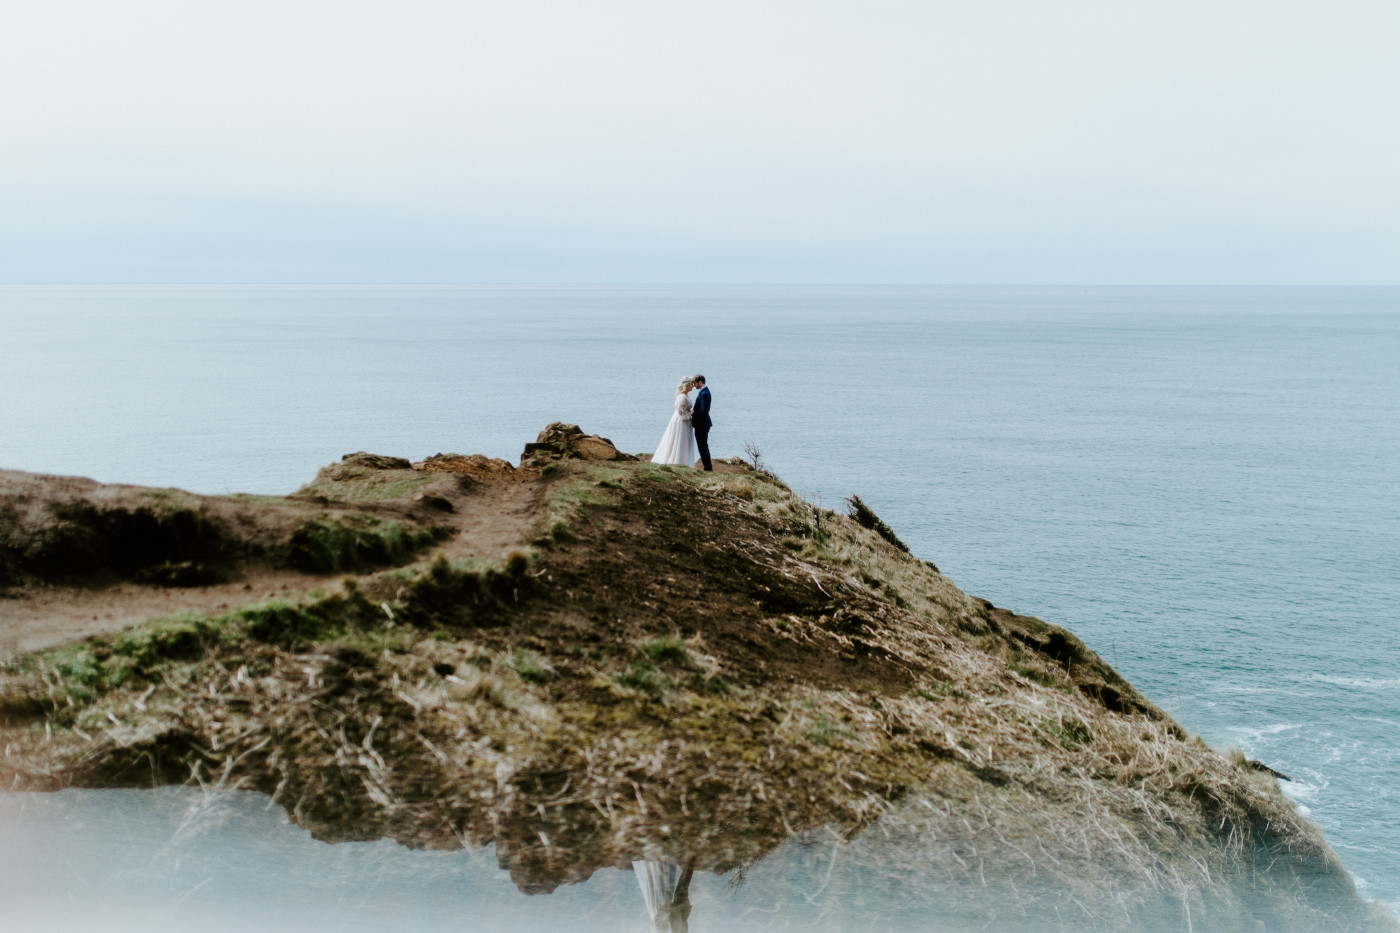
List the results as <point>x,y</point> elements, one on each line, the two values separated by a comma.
<point>700,411</point>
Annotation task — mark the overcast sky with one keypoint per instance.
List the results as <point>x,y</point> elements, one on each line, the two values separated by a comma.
<point>468,141</point>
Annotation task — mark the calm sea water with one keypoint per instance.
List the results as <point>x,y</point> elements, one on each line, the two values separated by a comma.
<point>1204,484</point>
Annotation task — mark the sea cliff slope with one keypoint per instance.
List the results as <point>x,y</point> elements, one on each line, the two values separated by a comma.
<point>588,659</point>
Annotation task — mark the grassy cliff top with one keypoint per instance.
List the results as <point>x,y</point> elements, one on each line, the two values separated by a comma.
<point>589,661</point>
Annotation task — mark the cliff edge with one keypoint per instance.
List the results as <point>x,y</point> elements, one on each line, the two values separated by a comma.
<point>589,659</point>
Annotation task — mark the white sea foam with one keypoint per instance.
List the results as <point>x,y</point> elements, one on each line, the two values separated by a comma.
<point>1360,683</point>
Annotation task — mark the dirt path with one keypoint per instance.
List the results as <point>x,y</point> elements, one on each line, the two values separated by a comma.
<point>494,517</point>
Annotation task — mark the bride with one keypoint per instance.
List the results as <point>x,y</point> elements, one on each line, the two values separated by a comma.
<point>678,443</point>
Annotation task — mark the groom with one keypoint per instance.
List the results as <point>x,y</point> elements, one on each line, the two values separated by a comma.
<point>700,420</point>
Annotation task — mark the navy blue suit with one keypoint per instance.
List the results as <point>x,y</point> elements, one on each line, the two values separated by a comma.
<point>700,420</point>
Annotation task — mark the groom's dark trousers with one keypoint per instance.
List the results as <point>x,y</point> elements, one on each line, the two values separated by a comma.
<point>700,420</point>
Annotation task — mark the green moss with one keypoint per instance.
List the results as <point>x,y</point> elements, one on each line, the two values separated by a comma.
<point>328,544</point>
<point>180,637</point>
<point>80,670</point>
<point>283,623</point>
<point>117,672</point>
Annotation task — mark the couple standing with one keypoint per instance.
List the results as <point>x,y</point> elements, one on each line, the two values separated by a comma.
<point>689,428</point>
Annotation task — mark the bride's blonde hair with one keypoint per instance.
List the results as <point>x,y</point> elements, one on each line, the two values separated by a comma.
<point>684,385</point>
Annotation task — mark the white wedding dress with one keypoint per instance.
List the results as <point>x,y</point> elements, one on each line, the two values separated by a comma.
<point>678,443</point>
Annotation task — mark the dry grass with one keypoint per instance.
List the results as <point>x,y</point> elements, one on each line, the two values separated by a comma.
<point>396,717</point>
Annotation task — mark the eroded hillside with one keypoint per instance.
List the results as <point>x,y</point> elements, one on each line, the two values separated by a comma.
<point>585,661</point>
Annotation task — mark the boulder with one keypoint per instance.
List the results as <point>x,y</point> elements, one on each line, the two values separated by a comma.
<point>561,441</point>
<point>374,461</point>
<point>463,463</point>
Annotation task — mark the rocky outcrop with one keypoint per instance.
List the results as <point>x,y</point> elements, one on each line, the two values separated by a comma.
<point>560,441</point>
<point>370,461</point>
<point>692,665</point>
<point>464,464</point>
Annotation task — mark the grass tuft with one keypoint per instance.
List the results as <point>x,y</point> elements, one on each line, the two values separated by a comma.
<point>641,676</point>
<point>1069,732</point>
<point>667,650</point>
<point>528,667</point>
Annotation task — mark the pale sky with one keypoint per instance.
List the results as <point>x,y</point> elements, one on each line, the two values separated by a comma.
<point>466,141</point>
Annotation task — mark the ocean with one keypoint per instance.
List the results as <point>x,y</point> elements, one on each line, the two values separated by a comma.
<point>1202,483</point>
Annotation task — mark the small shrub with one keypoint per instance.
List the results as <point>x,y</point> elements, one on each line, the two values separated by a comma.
<point>667,650</point>
<point>754,456</point>
<point>866,518</point>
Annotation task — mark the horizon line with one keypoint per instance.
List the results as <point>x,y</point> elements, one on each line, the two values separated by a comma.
<point>696,284</point>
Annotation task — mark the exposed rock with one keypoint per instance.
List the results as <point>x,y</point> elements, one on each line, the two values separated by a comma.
<point>1265,769</point>
<point>560,441</point>
<point>364,477</point>
<point>375,461</point>
<point>465,464</point>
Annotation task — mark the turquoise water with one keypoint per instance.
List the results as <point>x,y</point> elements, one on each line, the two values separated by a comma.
<point>1202,483</point>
